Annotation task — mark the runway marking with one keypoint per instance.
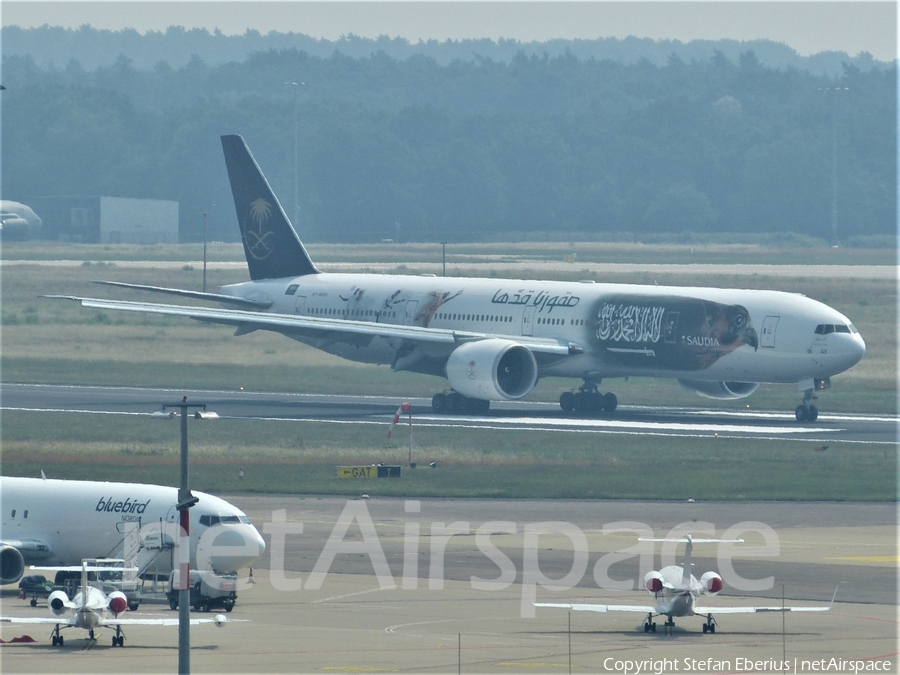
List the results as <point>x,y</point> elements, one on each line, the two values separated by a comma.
<point>348,595</point>
<point>359,669</point>
<point>524,664</point>
<point>619,424</point>
<point>870,558</point>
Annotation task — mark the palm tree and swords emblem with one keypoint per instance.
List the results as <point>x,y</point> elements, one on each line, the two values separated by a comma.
<point>258,241</point>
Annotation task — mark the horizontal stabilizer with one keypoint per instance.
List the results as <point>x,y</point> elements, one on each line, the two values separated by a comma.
<point>246,303</point>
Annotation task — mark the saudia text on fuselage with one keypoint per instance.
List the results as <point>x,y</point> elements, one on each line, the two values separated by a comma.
<point>128,506</point>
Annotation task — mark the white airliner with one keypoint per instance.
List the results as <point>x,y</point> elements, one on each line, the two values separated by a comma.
<point>676,592</point>
<point>62,522</point>
<point>91,609</point>
<point>492,339</point>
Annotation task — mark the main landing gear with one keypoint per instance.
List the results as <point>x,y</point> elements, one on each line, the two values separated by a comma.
<point>57,638</point>
<point>649,626</point>
<point>454,403</point>
<point>118,640</point>
<point>710,625</point>
<point>588,399</point>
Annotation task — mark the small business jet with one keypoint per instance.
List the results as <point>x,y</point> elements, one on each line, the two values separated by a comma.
<point>677,593</point>
<point>91,609</point>
<point>62,522</point>
<point>492,339</point>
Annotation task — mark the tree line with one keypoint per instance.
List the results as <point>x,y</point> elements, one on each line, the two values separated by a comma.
<point>419,150</point>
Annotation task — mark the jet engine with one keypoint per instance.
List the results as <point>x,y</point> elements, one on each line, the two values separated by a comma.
<point>711,582</point>
<point>12,565</point>
<point>118,603</point>
<point>653,582</point>
<point>57,602</point>
<point>493,369</point>
<point>720,390</point>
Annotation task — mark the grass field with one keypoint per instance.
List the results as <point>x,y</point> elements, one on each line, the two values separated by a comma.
<point>60,342</point>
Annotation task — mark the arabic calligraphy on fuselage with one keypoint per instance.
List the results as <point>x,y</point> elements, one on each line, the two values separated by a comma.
<point>542,300</point>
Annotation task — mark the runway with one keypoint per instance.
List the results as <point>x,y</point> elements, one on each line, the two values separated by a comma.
<point>437,620</point>
<point>517,415</point>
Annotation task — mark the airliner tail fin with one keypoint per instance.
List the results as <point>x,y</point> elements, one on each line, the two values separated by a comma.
<point>271,244</point>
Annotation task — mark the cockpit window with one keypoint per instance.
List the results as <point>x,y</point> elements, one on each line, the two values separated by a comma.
<point>209,520</point>
<point>826,328</point>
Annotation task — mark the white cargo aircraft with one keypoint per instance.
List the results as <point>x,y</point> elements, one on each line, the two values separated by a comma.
<point>91,609</point>
<point>676,592</point>
<point>62,522</point>
<point>492,339</point>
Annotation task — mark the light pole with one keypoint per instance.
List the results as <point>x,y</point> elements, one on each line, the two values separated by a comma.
<point>296,86</point>
<point>185,501</point>
<point>834,212</point>
<point>205,237</point>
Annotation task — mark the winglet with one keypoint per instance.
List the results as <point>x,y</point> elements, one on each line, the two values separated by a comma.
<point>271,245</point>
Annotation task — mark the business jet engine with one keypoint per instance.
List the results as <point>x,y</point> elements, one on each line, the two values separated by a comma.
<point>722,391</point>
<point>653,582</point>
<point>57,602</point>
<point>118,603</point>
<point>712,583</point>
<point>493,370</point>
<point>12,565</point>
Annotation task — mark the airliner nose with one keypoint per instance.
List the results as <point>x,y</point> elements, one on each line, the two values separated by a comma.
<point>848,350</point>
<point>231,547</point>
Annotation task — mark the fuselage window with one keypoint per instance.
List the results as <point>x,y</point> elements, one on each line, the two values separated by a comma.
<point>25,513</point>
<point>13,514</point>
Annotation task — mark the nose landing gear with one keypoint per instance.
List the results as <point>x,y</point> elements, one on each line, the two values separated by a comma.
<point>806,411</point>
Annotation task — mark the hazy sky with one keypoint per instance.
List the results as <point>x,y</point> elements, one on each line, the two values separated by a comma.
<point>808,26</point>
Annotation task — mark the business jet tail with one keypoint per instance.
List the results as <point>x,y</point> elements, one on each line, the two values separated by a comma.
<point>271,245</point>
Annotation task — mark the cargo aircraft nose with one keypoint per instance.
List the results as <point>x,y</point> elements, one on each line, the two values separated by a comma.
<point>230,547</point>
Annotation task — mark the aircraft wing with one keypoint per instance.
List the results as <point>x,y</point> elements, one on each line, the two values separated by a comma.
<point>158,622</point>
<point>248,321</point>
<point>575,607</point>
<point>752,610</point>
<point>62,620</point>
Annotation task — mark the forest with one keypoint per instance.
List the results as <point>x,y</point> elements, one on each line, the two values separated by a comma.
<point>553,145</point>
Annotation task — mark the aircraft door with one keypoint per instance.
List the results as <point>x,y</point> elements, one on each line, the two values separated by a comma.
<point>412,307</point>
<point>300,304</point>
<point>528,320</point>
<point>767,334</point>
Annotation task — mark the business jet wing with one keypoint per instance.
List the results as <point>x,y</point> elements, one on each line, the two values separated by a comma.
<point>248,321</point>
<point>70,621</point>
<point>752,610</point>
<point>219,619</point>
<point>55,620</point>
<point>575,607</point>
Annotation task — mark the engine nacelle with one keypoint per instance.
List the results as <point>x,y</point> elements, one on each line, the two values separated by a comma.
<point>495,370</point>
<point>118,603</point>
<point>57,602</point>
<point>653,582</point>
<point>722,391</point>
<point>12,565</point>
<point>712,583</point>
